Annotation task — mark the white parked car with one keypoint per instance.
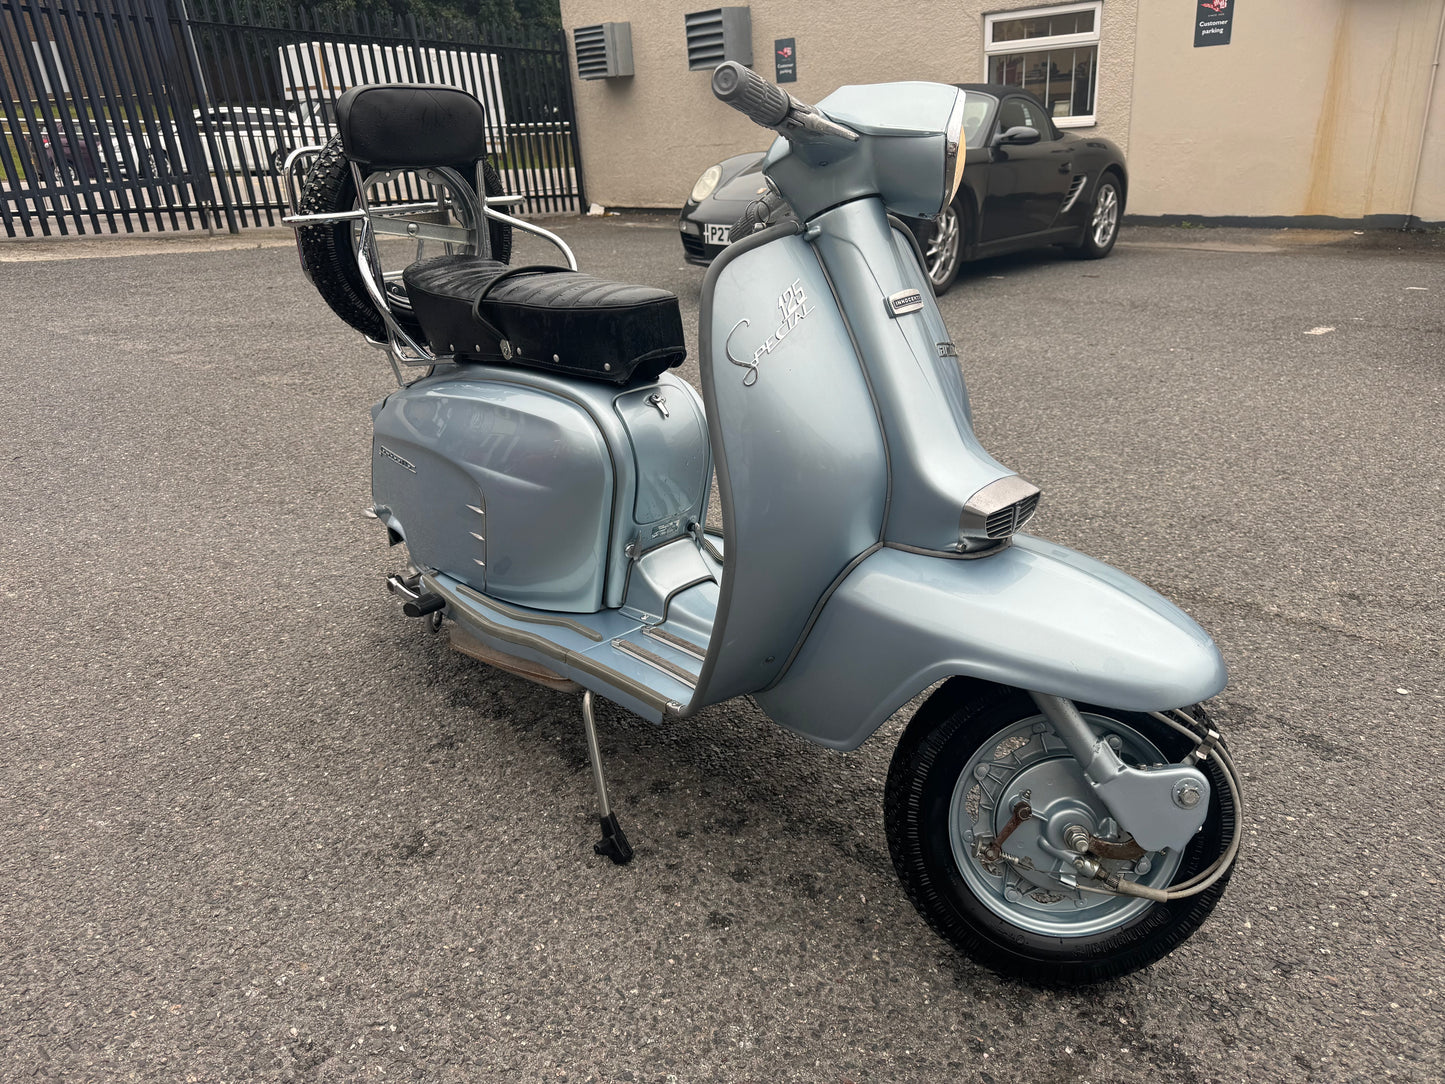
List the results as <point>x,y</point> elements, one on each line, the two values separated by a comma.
<point>255,139</point>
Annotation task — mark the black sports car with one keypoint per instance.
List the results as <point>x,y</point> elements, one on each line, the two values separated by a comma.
<point>1025,184</point>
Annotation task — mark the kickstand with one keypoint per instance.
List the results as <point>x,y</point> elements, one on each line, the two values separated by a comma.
<point>613,843</point>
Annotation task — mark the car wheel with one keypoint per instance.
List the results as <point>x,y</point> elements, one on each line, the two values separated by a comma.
<point>1103,227</point>
<point>977,751</point>
<point>278,160</point>
<point>942,246</point>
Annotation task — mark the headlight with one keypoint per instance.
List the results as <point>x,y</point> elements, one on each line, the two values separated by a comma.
<point>705,184</point>
<point>954,150</point>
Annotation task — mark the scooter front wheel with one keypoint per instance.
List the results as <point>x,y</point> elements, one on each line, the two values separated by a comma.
<point>980,800</point>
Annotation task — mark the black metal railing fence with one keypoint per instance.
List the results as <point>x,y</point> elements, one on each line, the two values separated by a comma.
<point>126,115</point>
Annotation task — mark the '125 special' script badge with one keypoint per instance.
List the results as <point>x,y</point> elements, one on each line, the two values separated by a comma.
<point>792,307</point>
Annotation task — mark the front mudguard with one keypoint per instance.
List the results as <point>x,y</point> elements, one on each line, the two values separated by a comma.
<point>1037,616</point>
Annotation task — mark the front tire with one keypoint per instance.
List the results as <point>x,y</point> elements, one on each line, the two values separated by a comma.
<point>957,773</point>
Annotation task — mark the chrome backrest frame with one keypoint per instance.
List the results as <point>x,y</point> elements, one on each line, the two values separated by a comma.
<point>401,348</point>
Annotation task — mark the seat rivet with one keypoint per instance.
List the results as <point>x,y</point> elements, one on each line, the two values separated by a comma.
<point>556,358</point>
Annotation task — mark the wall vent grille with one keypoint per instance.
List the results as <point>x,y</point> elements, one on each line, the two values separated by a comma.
<point>603,51</point>
<point>718,35</point>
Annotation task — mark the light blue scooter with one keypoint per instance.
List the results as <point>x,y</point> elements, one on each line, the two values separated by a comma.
<point>1056,808</point>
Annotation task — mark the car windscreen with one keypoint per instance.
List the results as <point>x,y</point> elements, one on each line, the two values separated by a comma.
<point>977,111</point>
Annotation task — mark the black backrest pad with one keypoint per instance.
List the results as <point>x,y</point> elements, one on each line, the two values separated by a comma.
<point>411,125</point>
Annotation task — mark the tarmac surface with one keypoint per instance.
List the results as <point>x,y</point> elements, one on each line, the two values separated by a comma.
<point>255,825</point>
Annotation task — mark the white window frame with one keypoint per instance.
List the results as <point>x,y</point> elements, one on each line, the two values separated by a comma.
<point>1038,45</point>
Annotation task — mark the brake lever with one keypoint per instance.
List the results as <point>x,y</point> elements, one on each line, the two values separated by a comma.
<point>807,117</point>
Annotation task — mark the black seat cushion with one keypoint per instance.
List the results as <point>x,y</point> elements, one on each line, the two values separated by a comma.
<point>545,318</point>
<point>410,126</point>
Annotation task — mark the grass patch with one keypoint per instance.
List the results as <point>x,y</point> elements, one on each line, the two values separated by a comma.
<point>535,152</point>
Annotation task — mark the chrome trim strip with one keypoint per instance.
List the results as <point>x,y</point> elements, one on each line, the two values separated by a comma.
<point>575,660</point>
<point>534,619</point>
<point>672,640</point>
<point>657,662</point>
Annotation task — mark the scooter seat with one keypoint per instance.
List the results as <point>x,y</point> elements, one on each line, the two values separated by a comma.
<point>549,318</point>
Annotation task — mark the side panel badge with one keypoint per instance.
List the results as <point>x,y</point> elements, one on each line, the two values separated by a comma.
<point>904,302</point>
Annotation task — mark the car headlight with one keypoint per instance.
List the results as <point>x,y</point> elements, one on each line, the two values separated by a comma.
<point>705,184</point>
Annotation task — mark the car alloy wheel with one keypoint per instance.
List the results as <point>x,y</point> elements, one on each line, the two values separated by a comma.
<point>1106,215</point>
<point>1103,226</point>
<point>943,249</point>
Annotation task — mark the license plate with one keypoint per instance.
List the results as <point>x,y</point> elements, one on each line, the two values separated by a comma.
<point>716,235</point>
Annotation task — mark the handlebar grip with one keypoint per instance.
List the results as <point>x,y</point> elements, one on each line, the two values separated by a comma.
<point>745,224</point>
<point>750,94</point>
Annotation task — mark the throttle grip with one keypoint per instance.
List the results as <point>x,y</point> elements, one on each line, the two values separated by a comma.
<point>750,94</point>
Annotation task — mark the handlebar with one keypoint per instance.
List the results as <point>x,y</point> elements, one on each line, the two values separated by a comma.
<point>750,94</point>
<point>769,105</point>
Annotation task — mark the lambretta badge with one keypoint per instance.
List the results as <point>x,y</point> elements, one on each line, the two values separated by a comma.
<point>903,302</point>
<point>792,308</point>
<point>382,449</point>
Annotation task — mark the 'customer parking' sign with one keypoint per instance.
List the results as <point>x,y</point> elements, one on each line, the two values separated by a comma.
<point>1213,21</point>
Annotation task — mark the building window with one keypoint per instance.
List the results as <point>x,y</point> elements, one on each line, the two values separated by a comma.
<point>1053,53</point>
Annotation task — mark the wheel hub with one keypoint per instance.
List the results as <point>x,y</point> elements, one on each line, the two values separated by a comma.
<point>1060,799</point>
<point>1029,878</point>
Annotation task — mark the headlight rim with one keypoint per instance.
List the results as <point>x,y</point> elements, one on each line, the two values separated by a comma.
<point>955,152</point>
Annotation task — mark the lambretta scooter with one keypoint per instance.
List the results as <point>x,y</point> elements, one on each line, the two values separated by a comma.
<point>1059,808</point>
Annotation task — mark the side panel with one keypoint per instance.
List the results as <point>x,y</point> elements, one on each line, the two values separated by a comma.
<point>504,487</point>
<point>1036,616</point>
<point>801,466</point>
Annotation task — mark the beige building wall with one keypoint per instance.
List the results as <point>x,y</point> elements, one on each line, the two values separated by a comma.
<point>1315,108</point>
<point>646,138</point>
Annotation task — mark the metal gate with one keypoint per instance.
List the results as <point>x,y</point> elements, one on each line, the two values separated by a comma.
<point>126,115</point>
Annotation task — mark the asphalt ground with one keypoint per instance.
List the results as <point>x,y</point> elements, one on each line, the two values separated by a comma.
<point>255,825</point>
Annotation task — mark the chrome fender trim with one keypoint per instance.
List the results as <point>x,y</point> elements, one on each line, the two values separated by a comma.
<point>1035,616</point>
